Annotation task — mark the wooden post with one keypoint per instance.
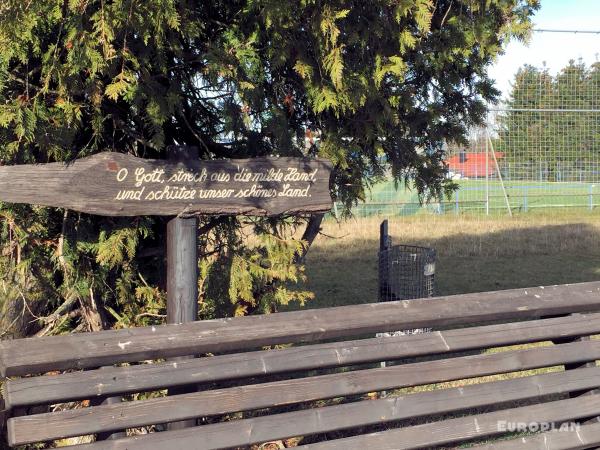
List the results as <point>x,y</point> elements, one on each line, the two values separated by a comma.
<point>182,272</point>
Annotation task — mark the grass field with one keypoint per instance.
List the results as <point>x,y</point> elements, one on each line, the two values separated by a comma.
<point>475,253</point>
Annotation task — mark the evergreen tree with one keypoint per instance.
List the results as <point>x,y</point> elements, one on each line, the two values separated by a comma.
<point>548,131</point>
<point>365,84</point>
<point>570,154</point>
<point>525,128</point>
<point>590,139</point>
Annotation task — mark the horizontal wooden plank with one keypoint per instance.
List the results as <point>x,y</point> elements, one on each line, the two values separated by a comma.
<point>466,428</point>
<point>109,381</point>
<point>34,355</point>
<point>246,432</point>
<point>116,184</point>
<point>48,426</point>
<point>583,437</point>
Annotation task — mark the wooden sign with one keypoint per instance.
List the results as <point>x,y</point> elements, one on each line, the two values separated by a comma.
<point>115,184</point>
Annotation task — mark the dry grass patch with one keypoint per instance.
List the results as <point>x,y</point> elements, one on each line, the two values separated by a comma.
<point>475,253</point>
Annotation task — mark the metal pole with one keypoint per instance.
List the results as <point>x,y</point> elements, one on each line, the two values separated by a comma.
<point>500,176</point>
<point>384,246</point>
<point>182,272</point>
<point>384,237</point>
<point>456,202</point>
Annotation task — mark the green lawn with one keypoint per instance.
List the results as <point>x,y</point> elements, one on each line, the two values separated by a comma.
<point>384,198</point>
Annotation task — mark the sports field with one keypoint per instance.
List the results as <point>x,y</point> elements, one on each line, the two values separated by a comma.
<point>523,196</point>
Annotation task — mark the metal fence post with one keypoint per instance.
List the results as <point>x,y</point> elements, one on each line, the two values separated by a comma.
<point>456,202</point>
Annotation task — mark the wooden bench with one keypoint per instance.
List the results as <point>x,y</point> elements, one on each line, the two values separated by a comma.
<point>245,395</point>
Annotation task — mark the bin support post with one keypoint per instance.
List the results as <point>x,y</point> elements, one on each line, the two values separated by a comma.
<point>384,237</point>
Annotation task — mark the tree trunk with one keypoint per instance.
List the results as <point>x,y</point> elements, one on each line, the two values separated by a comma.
<point>313,227</point>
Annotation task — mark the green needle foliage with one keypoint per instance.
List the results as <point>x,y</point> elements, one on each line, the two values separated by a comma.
<point>371,85</point>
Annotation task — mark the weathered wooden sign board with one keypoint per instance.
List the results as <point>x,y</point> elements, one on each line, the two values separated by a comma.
<point>115,184</point>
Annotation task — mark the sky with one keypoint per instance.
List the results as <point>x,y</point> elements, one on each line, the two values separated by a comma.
<point>553,49</point>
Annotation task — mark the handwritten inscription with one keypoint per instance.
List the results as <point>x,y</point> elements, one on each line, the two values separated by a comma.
<point>116,184</point>
<point>188,184</point>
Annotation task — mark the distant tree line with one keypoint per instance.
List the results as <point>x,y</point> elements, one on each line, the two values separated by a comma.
<point>550,131</point>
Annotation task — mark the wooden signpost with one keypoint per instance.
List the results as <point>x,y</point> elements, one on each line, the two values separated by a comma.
<point>115,184</point>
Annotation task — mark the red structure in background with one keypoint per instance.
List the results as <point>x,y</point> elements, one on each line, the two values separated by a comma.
<point>472,165</point>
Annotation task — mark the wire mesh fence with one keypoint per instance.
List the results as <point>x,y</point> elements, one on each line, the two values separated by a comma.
<point>539,149</point>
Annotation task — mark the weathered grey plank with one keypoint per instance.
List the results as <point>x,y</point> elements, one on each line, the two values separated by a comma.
<point>111,435</point>
<point>81,385</point>
<point>34,355</point>
<point>346,416</point>
<point>115,184</point>
<point>580,438</point>
<point>465,428</point>
<point>127,415</point>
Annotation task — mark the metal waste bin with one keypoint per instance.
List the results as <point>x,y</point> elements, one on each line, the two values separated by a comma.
<point>406,272</point>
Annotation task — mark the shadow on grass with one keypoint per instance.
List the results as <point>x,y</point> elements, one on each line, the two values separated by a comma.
<point>344,271</point>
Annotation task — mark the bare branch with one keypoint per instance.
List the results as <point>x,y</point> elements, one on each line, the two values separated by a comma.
<point>139,316</point>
